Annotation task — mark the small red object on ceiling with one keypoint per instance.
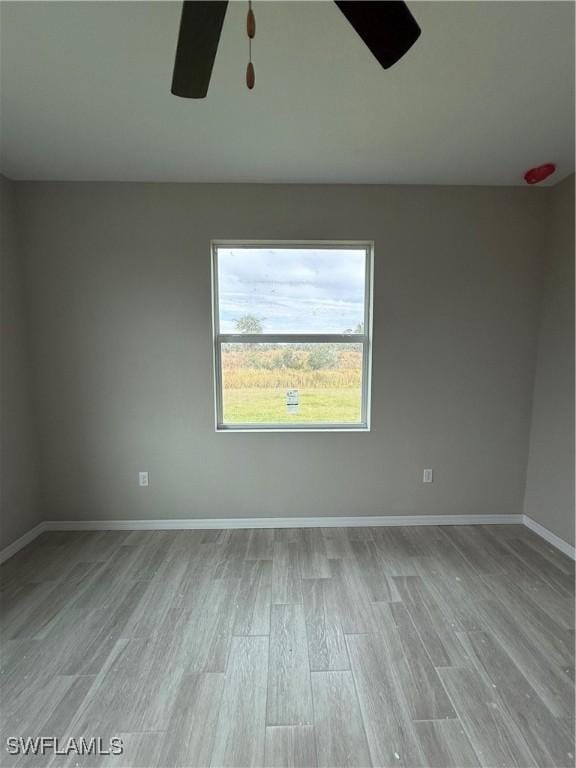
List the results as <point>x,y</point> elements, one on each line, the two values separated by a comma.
<point>541,172</point>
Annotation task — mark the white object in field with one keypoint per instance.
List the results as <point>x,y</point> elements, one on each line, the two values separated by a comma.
<point>428,476</point>
<point>143,479</point>
<point>292,400</point>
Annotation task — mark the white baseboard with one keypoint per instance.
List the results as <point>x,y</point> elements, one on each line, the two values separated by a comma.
<point>550,537</point>
<point>278,522</point>
<point>11,549</point>
<point>284,522</point>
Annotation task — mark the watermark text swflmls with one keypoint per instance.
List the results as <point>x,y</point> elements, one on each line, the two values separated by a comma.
<point>53,745</point>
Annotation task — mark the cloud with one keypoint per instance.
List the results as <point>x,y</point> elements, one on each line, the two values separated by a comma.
<point>292,290</point>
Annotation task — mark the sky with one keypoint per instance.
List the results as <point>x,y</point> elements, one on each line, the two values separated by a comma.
<point>292,290</point>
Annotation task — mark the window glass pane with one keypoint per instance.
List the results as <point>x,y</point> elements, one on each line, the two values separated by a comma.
<point>291,383</point>
<point>291,290</point>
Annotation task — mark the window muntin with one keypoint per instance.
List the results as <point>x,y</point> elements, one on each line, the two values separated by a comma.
<point>292,335</point>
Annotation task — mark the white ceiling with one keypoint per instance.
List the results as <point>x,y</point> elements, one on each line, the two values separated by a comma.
<point>487,92</point>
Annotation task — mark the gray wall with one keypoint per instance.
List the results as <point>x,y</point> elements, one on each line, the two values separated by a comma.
<point>19,511</point>
<point>550,478</point>
<point>118,283</point>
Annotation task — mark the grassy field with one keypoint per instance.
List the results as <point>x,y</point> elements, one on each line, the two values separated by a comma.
<point>256,406</point>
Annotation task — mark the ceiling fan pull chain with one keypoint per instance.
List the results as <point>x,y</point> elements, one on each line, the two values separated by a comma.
<point>250,31</point>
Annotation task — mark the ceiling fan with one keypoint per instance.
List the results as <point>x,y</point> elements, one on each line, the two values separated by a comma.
<point>387,27</point>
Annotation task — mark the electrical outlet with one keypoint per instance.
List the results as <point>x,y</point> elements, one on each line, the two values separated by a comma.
<point>143,479</point>
<point>428,476</point>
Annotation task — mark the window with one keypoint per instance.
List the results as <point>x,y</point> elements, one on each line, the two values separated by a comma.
<point>292,344</point>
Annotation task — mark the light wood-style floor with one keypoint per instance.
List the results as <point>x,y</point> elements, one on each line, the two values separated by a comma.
<point>431,646</point>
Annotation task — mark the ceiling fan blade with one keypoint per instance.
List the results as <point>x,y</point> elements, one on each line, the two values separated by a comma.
<point>200,28</point>
<point>388,28</point>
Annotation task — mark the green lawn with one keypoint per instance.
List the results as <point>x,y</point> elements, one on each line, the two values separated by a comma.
<point>257,406</point>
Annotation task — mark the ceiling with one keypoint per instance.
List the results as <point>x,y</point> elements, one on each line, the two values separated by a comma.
<point>487,92</point>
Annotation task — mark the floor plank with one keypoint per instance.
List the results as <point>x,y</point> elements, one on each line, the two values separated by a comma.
<point>190,739</point>
<point>240,732</point>
<point>326,641</point>
<point>340,735</point>
<point>289,694</point>
<point>253,599</point>
<point>445,744</point>
<point>290,746</point>
<point>314,562</point>
<point>384,708</point>
<point>489,731</point>
<point>427,698</point>
<point>286,581</point>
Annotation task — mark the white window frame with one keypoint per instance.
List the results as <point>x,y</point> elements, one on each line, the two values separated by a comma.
<point>365,339</point>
